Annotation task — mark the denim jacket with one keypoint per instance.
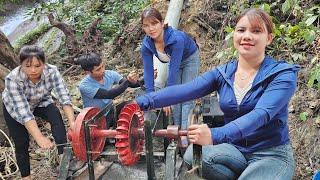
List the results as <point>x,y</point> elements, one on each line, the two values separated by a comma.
<point>178,46</point>
<point>259,121</point>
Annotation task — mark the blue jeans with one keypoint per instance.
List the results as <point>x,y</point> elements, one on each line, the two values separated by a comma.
<point>224,161</point>
<point>189,69</point>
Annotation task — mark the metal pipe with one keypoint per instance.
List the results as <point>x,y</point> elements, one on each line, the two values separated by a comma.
<point>88,148</point>
<point>164,133</point>
<point>104,133</point>
<point>149,150</point>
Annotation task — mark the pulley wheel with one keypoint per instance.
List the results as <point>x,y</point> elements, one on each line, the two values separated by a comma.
<point>78,135</point>
<point>129,145</point>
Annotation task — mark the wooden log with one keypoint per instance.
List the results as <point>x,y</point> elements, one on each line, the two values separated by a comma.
<point>72,43</point>
<point>3,73</point>
<point>8,57</point>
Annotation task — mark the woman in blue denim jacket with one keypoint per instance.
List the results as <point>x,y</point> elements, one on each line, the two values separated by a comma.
<point>254,93</point>
<point>177,49</point>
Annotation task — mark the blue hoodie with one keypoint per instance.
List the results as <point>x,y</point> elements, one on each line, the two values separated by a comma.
<point>178,45</point>
<point>259,121</point>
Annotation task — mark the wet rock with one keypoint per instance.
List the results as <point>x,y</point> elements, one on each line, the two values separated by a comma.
<point>51,41</point>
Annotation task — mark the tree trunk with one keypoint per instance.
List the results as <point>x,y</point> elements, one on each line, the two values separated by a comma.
<point>3,73</point>
<point>72,43</point>
<point>8,57</point>
<point>8,61</point>
<point>3,125</point>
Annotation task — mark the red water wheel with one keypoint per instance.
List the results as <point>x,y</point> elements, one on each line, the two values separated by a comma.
<point>78,136</point>
<point>128,143</point>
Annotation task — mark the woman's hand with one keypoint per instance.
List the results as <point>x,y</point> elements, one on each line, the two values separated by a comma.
<point>167,110</point>
<point>199,134</point>
<point>35,132</point>
<point>69,112</point>
<point>71,125</point>
<point>44,142</point>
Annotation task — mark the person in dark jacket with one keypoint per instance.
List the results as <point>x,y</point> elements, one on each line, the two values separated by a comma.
<point>27,94</point>
<point>174,48</point>
<point>254,93</point>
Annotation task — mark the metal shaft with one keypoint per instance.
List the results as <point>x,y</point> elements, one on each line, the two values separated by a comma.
<point>164,133</point>
<point>88,147</point>
<point>105,133</point>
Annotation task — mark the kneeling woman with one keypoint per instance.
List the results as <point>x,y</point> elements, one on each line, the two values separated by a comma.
<point>27,94</point>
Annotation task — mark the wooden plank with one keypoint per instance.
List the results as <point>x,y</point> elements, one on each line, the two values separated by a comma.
<point>170,170</point>
<point>64,164</point>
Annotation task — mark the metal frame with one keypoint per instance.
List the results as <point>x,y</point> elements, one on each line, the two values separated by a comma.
<point>87,125</point>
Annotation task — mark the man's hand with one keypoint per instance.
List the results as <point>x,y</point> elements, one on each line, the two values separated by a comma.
<point>199,134</point>
<point>133,77</point>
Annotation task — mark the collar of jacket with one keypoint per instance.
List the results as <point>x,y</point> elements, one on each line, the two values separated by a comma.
<point>168,39</point>
<point>268,68</point>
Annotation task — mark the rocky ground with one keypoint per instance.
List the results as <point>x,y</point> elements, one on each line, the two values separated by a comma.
<point>205,21</point>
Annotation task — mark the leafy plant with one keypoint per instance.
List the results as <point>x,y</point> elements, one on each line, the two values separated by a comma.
<point>114,14</point>
<point>314,79</point>
<point>303,116</point>
<point>31,36</point>
<point>294,35</point>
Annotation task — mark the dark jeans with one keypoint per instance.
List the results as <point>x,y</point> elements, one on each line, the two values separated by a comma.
<point>20,135</point>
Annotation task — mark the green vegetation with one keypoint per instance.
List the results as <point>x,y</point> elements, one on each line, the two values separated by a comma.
<point>303,116</point>
<point>295,30</point>
<point>314,80</point>
<point>50,40</point>
<point>115,14</point>
<point>31,36</point>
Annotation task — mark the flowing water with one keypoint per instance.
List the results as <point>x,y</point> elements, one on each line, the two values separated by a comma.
<point>10,21</point>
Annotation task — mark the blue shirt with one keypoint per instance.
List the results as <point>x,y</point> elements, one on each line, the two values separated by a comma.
<point>259,121</point>
<point>178,46</point>
<point>89,88</point>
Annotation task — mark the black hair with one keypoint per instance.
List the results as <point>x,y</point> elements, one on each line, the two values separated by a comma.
<point>28,52</point>
<point>151,12</point>
<point>88,61</point>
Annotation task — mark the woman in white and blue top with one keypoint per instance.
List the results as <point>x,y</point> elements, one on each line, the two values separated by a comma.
<point>174,47</point>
